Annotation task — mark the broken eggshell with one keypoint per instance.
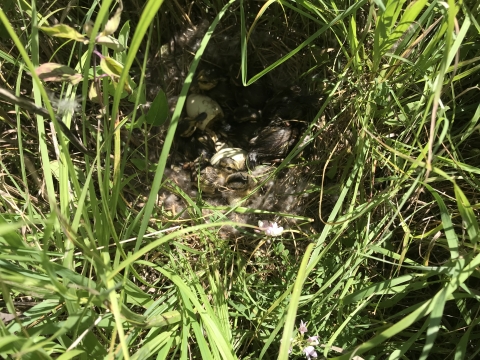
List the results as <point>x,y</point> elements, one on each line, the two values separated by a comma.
<point>198,104</point>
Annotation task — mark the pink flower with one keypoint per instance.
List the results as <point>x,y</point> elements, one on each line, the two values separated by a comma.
<point>313,340</point>
<point>310,352</point>
<point>303,327</point>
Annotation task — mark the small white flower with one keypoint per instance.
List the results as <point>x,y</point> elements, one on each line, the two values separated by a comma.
<point>310,352</point>
<point>270,228</point>
<point>302,329</point>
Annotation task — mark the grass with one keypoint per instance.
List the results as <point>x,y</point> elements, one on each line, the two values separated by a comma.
<point>379,256</point>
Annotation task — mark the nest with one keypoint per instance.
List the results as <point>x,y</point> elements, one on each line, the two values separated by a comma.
<point>290,191</point>
<point>289,196</point>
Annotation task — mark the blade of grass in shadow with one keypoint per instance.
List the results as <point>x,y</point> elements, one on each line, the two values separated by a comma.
<point>271,338</point>
<point>25,191</point>
<point>468,216</point>
<point>350,181</point>
<point>397,354</point>
<point>160,347</point>
<point>434,322</point>
<point>461,349</point>
<point>452,239</point>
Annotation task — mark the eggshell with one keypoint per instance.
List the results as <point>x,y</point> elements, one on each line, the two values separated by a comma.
<point>197,104</point>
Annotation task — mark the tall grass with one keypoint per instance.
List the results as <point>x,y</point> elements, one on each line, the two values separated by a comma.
<point>389,271</point>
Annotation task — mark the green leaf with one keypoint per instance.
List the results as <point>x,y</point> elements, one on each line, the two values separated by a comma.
<point>113,23</point>
<point>168,318</point>
<point>468,216</point>
<point>6,341</point>
<point>55,168</point>
<point>58,72</point>
<point>158,112</point>
<point>109,42</point>
<point>8,232</point>
<point>135,124</point>
<point>452,239</point>
<point>120,55</point>
<point>114,69</point>
<point>138,92</point>
<point>70,354</point>
<point>111,67</point>
<point>64,31</point>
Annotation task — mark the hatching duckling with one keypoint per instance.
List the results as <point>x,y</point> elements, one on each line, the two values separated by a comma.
<point>229,165</point>
<point>208,78</point>
<point>237,186</point>
<point>273,142</point>
<point>186,127</point>
<point>212,178</point>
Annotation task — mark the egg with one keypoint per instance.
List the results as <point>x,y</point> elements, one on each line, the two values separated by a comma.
<point>198,104</point>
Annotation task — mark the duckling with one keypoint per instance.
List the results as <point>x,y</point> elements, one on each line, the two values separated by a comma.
<point>237,186</point>
<point>224,94</point>
<point>230,165</point>
<point>212,178</point>
<point>208,78</point>
<point>273,142</point>
<point>245,113</point>
<point>254,95</point>
<point>199,147</point>
<point>239,134</point>
<point>288,104</point>
<point>186,127</point>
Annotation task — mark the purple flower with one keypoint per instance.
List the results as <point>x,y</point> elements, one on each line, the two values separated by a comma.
<point>310,352</point>
<point>313,340</point>
<point>303,327</point>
